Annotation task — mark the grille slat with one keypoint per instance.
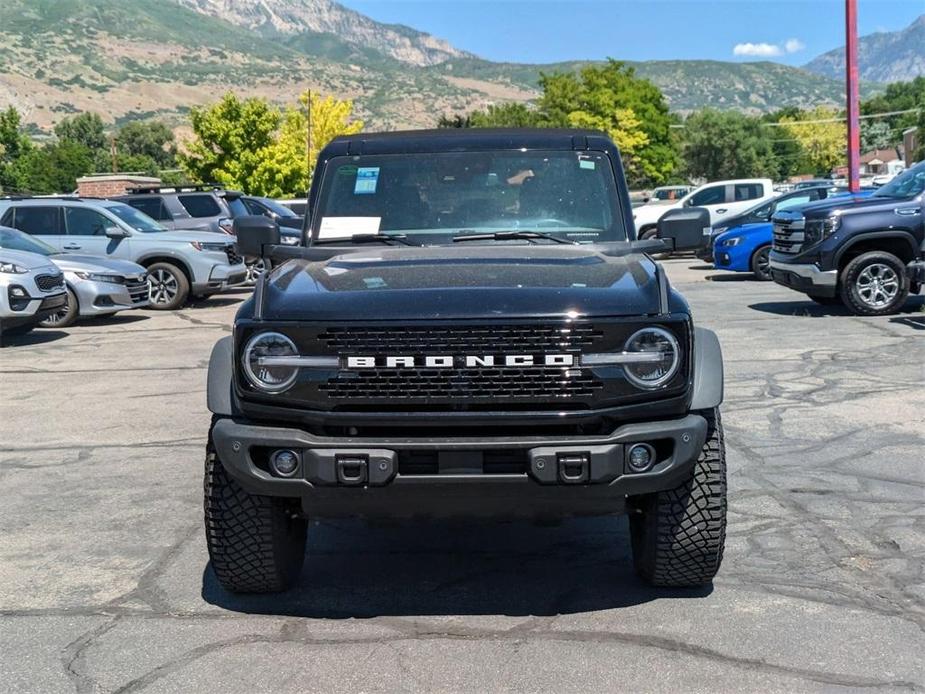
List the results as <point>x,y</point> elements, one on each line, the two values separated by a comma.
<point>48,282</point>
<point>788,237</point>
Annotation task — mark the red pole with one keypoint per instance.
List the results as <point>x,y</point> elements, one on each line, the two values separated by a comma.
<point>851,70</point>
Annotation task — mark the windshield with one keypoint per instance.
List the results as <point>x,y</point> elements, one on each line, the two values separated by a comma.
<point>17,241</point>
<point>136,219</point>
<point>906,185</point>
<point>431,198</point>
<point>276,208</point>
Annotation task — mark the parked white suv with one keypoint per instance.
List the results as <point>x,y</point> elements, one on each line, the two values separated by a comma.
<point>722,198</point>
<point>31,288</point>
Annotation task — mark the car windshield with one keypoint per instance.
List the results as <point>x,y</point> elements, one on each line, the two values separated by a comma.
<point>276,208</point>
<point>906,185</point>
<point>17,241</point>
<point>431,198</point>
<point>136,219</point>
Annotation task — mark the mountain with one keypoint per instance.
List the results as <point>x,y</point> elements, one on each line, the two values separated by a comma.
<point>129,59</point>
<point>292,17</point>
<point>888,56</point>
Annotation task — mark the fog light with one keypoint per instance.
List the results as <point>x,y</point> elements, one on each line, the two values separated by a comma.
<point>284,463</point>
<point>640,457</point>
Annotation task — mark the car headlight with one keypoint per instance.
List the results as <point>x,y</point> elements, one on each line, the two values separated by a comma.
<point>12,269</point>
<point>97,277</point>
<point>659,357</point>
<point>734,241</point>
<point>209,245</point>
<point>290,240</point>
<point>258,356</point>
<point>818,230</point>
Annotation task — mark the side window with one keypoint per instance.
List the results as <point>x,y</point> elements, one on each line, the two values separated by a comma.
<point>152,206</point>
<point>795,201</point>
<point>748,191</point>
<point>7,220</point>
<point>82,221</point>
<point>763,212</point>
<point>713,195</point>
<point>200,205</point>
<point>255,208</point>
<point>39,221</point>
<point>237,207</point>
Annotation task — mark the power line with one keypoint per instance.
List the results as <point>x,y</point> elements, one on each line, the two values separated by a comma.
<point>823,120</point>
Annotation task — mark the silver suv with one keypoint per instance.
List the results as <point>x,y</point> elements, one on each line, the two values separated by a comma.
<point>179,263</point>
<point>188,207</point>
<point>31,288</point>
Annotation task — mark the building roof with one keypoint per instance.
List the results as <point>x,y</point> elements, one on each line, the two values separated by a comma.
<point>880,155</point>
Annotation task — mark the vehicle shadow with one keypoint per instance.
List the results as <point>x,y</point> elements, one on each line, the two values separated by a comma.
<point>731,277</point>
<point>356,570</point>
<point>811,308</point>
<point>914,322</point>
<point>35,337</point>
<point>701,266</point>
<point>115,319</point>
<point>215,301</point>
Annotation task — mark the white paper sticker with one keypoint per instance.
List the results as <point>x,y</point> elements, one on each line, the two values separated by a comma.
<point>345,227</point>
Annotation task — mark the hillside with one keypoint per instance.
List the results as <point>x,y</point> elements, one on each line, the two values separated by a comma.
<point>140,58</point>
<point>891,56</point>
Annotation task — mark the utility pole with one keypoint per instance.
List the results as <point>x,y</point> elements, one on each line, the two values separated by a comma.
<point>112,153</point>
<point>851,90</point>
<point>308,136</point>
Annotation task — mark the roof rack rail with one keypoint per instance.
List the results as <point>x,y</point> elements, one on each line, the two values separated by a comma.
<point>180,188</point>
<point>54,196</point>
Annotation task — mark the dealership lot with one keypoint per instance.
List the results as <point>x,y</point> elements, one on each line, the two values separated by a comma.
<point>104,582</point>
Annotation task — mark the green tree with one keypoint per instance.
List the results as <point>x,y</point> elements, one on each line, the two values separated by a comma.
<point>231,137</point>
<point>875,134</point>
<point>86,129</point>
<point>53,168</point>
<point>13,145</point>
<point>508,115</point>
<point>787,149</point>
<point>727,144</point>
<point>152,139</point>
<point>899,96</point>
<point>821,136</point>
<point>632,110</point>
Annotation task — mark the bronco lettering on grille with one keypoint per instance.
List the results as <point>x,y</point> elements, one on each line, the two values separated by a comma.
<point>468,361</point>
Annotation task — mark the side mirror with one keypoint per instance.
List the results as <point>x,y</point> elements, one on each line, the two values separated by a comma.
<point>254,234</point>
<point>685,229</point>
<point>115,232</point>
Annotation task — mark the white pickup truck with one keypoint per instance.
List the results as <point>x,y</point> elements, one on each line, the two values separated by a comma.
<point>722,198</point>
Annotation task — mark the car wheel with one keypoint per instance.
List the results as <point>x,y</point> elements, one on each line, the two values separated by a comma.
<point>874,284</point>
<point>678,535</point>
<point>650,233</point>
<point>168,287</point>
<point>66,316</point>
<point>254,270</point>
<point>256,543</point>
<point>761,264</point>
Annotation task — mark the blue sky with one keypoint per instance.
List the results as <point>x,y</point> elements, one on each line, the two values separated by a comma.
<point>542,31</point>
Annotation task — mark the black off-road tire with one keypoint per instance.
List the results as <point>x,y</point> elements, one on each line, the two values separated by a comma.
<point>826,300</point>
<point>256,544</point>
<point>67,316</point>
<point>648,233</point>
<point>864,263</point>
<point>678,535</point>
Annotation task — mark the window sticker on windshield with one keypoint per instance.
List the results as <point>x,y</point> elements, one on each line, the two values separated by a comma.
<point>587,164</point>
<point>345,227</point>
<point>367,178</point>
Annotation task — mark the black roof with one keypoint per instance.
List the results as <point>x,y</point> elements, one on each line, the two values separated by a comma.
<point>459,139</point>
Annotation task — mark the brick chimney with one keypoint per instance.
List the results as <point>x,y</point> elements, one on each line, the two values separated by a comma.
<point>105,185</point>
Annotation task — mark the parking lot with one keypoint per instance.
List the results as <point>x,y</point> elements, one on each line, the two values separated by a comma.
<point>105,584</point>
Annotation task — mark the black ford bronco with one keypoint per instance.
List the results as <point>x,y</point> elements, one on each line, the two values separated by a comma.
<point>867,253</point>
<point>472,330</point>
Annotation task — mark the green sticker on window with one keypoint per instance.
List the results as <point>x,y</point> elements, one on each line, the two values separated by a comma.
<point>587,164</point>
<point>348,170</point>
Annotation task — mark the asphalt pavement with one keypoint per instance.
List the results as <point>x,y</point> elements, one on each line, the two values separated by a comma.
<point>105,584</point>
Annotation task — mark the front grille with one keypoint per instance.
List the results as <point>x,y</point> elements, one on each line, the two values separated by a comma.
<point>137,290</point>
<point>788,236</point>
<point>475,339</point>
<point>231,250</point>
<point>49,282</point>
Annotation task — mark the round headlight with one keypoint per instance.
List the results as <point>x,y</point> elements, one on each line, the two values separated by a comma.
<point>265,376</point>
<point>661,361</point>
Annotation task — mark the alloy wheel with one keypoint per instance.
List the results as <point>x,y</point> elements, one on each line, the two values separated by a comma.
<point>877,285</point>
<point>254,271</point>
<point>162,286</point>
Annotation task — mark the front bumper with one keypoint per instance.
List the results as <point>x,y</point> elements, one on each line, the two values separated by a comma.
<point>404,477</point>
<point>102,298</point>
<point>222,277</point>
<point>806,278</point>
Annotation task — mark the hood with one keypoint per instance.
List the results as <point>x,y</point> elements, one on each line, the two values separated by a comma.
<point>184,236</point>
<point>756,228</point>
<point>95,263</point>
<point>29,261</point>
<point>463,282</point>
<point>845,204</point>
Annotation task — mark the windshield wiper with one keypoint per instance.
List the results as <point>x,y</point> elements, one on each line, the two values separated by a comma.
<point>368,238</point>
<point>512,235</point>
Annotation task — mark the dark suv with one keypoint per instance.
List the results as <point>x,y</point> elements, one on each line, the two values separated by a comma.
<point>473,330</point>
<point>865,253</point>
<point>204,207</point>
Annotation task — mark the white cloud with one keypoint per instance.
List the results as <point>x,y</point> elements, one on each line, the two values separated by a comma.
<point>760,50</point>
<point>768,50</point>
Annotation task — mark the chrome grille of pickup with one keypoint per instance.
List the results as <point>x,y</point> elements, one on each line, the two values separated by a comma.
<point>788,236</point>
<point>49,282</point>
<point>541,384</point>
